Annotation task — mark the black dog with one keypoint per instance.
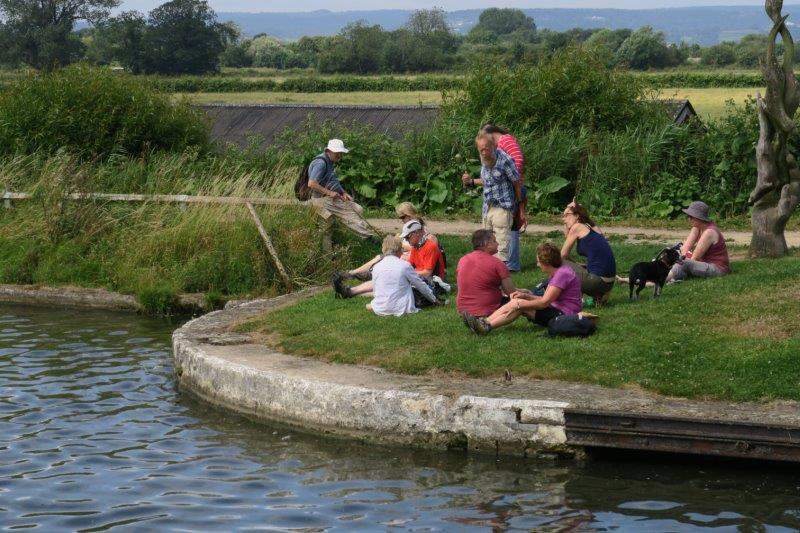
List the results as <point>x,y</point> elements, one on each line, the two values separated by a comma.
<point>655,271</point>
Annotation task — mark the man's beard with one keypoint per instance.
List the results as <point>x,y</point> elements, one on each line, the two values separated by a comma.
<point>487,161</point>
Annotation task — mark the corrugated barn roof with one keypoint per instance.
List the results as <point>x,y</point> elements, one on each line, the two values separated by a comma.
<point>236,123</point>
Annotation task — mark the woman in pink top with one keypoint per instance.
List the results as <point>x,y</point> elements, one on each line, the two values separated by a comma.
<point>562,297</point>
<point>704,247</point>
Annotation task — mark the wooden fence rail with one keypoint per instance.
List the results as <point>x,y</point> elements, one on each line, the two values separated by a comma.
<point>185,199</point>
<point>8,197</point>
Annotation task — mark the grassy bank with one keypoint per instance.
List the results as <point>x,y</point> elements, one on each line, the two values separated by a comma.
<point>156,251</point>
<point>729,338</point>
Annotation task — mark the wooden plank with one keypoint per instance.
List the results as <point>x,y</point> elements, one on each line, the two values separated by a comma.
<point>168,198</point>
<point>270,248</point>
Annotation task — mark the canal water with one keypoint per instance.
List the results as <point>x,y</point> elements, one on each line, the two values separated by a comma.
<point>95,436</point>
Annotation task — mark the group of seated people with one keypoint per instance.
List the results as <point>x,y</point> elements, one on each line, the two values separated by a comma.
<point>410,272</point>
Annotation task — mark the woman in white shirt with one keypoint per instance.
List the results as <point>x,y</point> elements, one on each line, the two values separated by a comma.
<point>394,281</point>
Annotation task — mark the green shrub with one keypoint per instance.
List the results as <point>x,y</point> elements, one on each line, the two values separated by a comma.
<point>573,89</point>
<point>94,112</point>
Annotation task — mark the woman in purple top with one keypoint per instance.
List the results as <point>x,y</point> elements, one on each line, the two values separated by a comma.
<point>562,297</point>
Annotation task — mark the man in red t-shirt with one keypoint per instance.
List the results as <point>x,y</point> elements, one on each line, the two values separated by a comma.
<point>482,278</point>
<point>426,257</point>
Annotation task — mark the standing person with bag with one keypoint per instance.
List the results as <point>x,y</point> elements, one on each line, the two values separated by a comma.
<point>507,143</point>
<point>320,185</point>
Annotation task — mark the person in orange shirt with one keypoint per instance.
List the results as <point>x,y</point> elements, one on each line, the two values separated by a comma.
<point>426,257</point>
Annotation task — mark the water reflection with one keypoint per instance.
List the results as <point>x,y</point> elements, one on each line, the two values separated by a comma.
<point>93,435</point>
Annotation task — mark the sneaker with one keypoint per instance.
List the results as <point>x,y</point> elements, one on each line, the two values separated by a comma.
<point>482,326</point>
<point>479,326</point>
<point>341,290</point>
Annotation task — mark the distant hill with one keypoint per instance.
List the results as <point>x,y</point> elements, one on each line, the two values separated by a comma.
<point>704,25</point>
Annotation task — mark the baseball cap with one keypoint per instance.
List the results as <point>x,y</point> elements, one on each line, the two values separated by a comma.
<point>337,146</point>
<point>410,227</point>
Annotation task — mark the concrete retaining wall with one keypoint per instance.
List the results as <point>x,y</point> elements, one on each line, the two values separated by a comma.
<point>228,370</point>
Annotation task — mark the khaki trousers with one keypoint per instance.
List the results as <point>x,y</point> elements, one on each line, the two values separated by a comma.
<point>499,220</point>
<point>349,213</point>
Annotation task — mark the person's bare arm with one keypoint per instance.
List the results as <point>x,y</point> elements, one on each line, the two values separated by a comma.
<point>425,273</point>
<point>690,241</point>
<point>706,241</point>
<point>313,185</point>
<point>468,180</point>
<point>569,242</point>
<point>507,286</point>
<point>540,302</point>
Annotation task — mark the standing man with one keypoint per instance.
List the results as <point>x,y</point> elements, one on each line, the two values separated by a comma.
<point>507,143</point>
<point>501,191</point>
<point>328,194</point>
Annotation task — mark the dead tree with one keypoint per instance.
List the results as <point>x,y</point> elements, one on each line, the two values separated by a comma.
<point>777,190</point>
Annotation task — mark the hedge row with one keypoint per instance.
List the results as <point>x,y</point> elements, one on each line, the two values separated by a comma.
<point>311,84</point>
<point>703,79</point>
<point>320,84</point>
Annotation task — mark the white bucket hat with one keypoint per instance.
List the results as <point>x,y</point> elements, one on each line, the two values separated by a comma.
<point>337,146</point>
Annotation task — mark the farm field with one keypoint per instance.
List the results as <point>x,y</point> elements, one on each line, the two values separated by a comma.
<point>709,103</point>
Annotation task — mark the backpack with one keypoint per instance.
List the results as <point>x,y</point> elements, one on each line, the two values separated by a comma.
<point>301,189</point>
<point>570,326</point>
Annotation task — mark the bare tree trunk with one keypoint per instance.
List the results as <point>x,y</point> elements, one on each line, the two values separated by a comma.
<point>777,190</point>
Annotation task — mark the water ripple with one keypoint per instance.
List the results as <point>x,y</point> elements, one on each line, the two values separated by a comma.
<point>94,436</point>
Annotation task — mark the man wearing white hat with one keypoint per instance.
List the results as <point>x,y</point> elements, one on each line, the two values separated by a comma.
<point>327,192</point>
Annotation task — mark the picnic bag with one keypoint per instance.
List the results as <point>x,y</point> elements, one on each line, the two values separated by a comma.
<point>570,326</point>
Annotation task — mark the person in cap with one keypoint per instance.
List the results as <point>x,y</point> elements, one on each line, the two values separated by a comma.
<point>426,258</point>
<point>484,282</point>
<point>406,212</point>
<point>704,248</point>
<point>501,191</point>
<point>329,195</point>
<point>397,286</point>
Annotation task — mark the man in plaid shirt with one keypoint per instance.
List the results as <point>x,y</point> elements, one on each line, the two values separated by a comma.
<point>501,190</point>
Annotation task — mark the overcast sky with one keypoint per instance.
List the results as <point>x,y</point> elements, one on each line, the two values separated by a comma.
<point>449,5</point>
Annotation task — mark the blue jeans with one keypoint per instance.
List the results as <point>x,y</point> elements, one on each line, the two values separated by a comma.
<point>513,252</point>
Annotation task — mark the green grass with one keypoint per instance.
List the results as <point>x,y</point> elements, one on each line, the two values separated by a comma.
<point>347,98</point>
<point>730,338</point>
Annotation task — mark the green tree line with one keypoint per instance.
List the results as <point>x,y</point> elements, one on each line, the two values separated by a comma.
<point>185,37</point>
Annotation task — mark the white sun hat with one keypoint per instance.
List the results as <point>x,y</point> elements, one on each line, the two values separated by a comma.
<point>337,146</point>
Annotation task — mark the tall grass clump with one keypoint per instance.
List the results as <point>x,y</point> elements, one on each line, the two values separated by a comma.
<point>94,112</point>
<point>154,250</point>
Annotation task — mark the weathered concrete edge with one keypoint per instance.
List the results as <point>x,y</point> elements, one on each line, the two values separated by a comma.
<point>87,298</point>
<point>485,424</point>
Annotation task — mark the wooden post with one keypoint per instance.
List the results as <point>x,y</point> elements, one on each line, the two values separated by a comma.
<point>270,248</point>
